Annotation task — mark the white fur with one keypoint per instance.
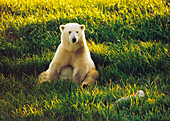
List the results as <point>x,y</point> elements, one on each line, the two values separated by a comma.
<point>72,57</point>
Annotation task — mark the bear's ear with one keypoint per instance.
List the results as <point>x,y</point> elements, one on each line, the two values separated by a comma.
<point>62,27</point>
<point>82,27</point>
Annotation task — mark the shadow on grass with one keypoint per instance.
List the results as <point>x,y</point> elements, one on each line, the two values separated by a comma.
<point>23,50</point>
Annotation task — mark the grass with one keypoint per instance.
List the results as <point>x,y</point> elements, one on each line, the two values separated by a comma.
<point>128,41</point>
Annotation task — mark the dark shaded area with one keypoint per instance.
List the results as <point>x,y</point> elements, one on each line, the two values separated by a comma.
<point>155,28</point>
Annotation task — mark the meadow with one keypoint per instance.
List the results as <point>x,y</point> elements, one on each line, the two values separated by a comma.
<point>128,41</point>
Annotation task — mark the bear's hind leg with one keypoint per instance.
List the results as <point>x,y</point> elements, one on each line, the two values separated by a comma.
<point>90,77</point>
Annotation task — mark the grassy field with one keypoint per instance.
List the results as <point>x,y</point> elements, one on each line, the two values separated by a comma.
<point>128,41</point>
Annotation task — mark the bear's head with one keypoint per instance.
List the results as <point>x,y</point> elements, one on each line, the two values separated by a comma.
<point>72,35</point>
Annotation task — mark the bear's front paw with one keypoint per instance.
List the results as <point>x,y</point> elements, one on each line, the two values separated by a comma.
<point>43,77</point>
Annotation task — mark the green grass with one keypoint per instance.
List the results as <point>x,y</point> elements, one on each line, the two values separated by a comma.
<point>128,41</point>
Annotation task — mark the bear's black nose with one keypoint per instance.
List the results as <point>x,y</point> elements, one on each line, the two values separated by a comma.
<point>74,40</point>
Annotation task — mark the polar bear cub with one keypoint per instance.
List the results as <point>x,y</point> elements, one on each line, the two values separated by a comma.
<point>72,58</point>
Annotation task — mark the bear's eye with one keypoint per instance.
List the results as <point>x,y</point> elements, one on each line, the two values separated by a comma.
<point>77,32</point>
<point>69,32</point>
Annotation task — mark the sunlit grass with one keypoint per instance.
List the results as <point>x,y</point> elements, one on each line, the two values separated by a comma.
<point>92,103</point>
<point>125,19</point>
<point>128,41</point>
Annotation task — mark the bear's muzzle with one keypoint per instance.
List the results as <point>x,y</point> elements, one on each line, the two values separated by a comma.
<point>74,40</point>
